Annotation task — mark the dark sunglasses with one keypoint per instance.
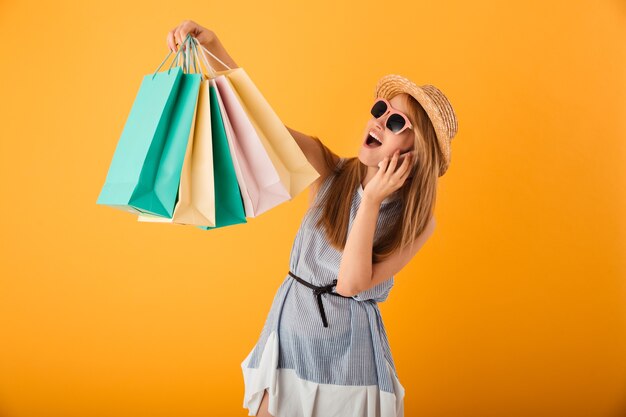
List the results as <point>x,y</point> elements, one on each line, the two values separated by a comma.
<point>396,121</point>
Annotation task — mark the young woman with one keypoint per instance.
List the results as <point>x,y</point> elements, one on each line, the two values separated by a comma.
<point>323,350</point>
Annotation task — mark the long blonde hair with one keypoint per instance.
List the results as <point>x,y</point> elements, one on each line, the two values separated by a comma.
<point>418,193</point>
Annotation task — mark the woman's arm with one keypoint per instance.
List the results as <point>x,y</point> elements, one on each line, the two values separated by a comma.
<point>312,150</point>
<point>312,147</point>
<point>355,270</point>
<point>318,155</point>
<point>384,270</point>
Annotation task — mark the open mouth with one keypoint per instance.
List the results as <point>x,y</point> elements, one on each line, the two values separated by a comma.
<point>372,142</point>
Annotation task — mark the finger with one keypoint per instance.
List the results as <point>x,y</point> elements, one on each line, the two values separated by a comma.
<point>183,37</point>
<point>404,177</point>
<point>402,158</point>
<point>383,165</point>
<point>187,25</point>
<point>407,167</point>
<point>400,173</point>
<point>180,35</point>
<point>184,30</point>
<point>392,164</point>
<point>171,42</point>
<point>413,163</point>
<point>410,159</point>
<point>406,163</point>
<point>411,155</point>
<point>187,28</point>
<point>177,36</point>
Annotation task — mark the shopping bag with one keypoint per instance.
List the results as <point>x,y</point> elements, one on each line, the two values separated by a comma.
<point>241,170</point>
<point>267,124</point>
<point>260,181</point>
<point>229,209</point>
<point>144,173</point>
<point>196,194</point>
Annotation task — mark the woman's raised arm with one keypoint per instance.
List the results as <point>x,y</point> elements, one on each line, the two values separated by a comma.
<point>315,151</point>
<point>318,155</point>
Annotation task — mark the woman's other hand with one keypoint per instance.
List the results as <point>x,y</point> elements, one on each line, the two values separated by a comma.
<point>177,35</point>
<point>388,179</point>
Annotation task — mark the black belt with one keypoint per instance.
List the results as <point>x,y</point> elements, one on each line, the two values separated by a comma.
<point>317,292</point>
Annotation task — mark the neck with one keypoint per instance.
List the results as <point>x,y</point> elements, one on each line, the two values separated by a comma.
<point>369,174</point>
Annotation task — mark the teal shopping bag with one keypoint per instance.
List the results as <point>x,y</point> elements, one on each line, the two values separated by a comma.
<point>229,208</point>
<point>144,173</point>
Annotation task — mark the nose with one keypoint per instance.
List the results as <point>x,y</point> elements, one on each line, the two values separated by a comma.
<point>378,125</point>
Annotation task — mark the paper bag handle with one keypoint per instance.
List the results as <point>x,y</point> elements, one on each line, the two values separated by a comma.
<point>210,70</point>
<point>187,39</point>
<point>205,58</point>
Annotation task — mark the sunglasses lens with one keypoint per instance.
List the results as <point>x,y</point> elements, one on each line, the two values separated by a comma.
<point>395,123</point>
<point>378,109</point>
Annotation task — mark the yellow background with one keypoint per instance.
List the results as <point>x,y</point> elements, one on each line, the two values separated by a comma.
<point>515,307</point>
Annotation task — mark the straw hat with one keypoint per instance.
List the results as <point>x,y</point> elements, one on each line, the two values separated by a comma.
<point>435,103</point>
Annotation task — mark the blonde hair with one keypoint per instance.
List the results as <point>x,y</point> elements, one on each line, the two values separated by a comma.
<point>418,193</point>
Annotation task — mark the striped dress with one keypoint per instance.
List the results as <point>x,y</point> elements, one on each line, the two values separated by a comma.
<point>343,370</point>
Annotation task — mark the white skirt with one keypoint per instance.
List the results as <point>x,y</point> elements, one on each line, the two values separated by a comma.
<point>291,396</point>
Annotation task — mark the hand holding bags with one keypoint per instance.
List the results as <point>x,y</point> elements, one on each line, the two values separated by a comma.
<point>204,150</point>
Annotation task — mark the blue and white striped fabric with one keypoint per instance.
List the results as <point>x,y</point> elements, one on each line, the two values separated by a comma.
<point>352,351</point>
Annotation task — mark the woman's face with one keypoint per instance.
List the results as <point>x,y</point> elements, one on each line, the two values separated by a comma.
<point>371,155</point>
